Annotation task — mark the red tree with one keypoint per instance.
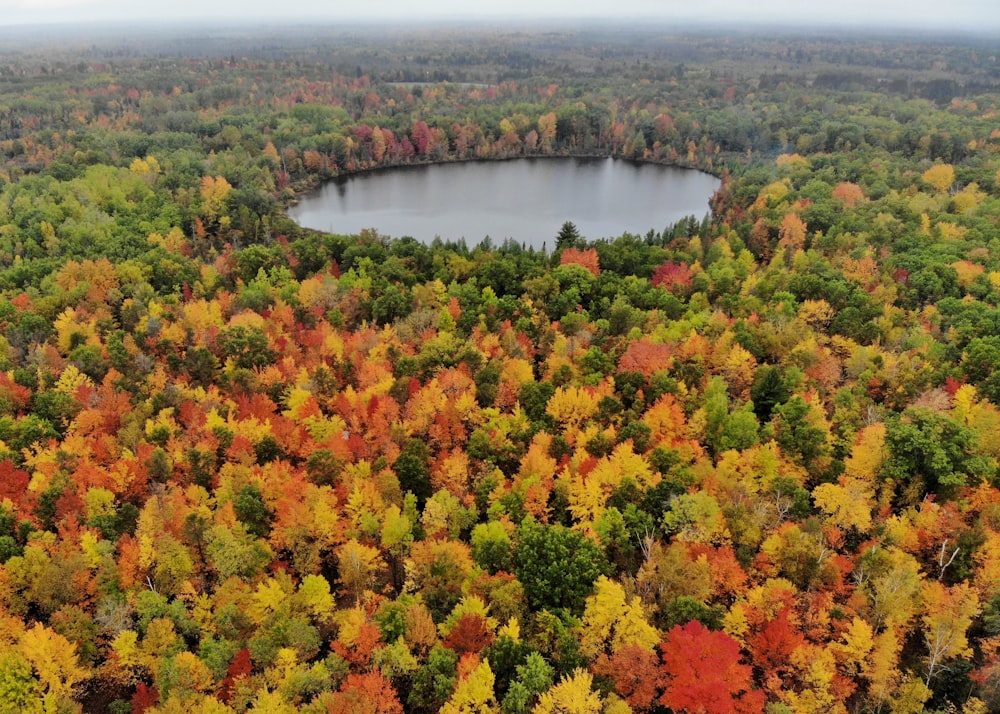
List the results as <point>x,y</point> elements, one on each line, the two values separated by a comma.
<point>369,693</point>
<point>144,698</point>
<point>675,277</point>
<point>703,674</point>
<point>635,672</point>
<point>13,481</point>
<point>772,648</point>
<point>585,258</point>
<point>471,633</point>
<point>240,667</point>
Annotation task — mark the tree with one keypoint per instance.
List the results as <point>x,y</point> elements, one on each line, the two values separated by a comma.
<point>412,468</point>
<point>534,676</point>
<point>568,236</point>
<point>792,233</point>
<point>547,130</point>
<point>673,572</point>
<point>491,546</point>
<point>368,693</point>
<point>19,690</point>
<point>978,363</point>
<point>214,192</point>
<point>574,256</point>
<point>474,693</point>
<point>676,278</point>
<point>54,661</point>
<point>801,430</point>
<point>439,569</point>
<point>635,672</point>
<point>772,646</point>
<point>434,682</point>
<point>612,621</point>
<point>556,565</point>
<point>941,177</point>
<point>850,194</point>
<point>573,695</point>
<point>948,613</point>
<point>848,503</point>
<point>703,674</point>
<point>357,565</point>
<point>930,452</point>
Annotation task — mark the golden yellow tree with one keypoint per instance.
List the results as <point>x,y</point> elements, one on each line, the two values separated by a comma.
<point>357,565</point>
<point>474,693</point>
<point>948,613</point>
<point>792,233</point>
<point>573,695</point>
<point>612,620</point>
<point>941,177</point>
<point>53,658</point>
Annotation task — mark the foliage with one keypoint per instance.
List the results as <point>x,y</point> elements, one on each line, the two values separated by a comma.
<point>739,463</point>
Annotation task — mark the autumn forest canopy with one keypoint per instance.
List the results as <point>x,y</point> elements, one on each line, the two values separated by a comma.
<point>741,464</point>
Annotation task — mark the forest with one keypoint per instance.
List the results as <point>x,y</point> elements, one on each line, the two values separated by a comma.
<point>741,464</point>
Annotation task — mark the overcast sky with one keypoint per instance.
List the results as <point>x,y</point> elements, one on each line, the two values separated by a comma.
<point>976,15</point>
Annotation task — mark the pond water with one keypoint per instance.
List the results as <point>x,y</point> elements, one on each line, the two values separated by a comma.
<point>527,200</point>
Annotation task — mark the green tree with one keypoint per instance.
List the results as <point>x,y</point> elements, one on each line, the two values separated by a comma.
<point>434,682</point>
<point>247,347</point>
<point>981,365</point>
<point>412,467</point>
<point>794,432</point>
<point>533,677</point>
<point>557,566</point>
<point>931,453</point>
<point>568,236</point>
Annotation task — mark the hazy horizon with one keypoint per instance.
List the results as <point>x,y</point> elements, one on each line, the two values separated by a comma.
<point>977,16</point>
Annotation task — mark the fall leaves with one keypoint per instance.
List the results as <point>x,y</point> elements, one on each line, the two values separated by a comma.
<point>742,464</point>
<point>669,528</point>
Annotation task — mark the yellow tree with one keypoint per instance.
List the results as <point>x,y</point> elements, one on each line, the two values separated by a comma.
<point>547,130</point>
<point>892,579</point>
<point>589,493</point>
<point>214,192</point>
<point>474,693</point>
<point>53,658</point>
<point>881,667</point>
<point>611,620</point>
<point>817,669</point>
<point>792,233</point>
<point>572,406</point>
<point>948,612</point>
<point>941,177</point>
<point>357,565</point>
<point>848,503</point>
<point>573,695</point>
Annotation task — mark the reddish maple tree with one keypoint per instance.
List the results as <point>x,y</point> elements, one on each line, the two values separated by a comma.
<point>368,693</point>
<point>675,277</point>
<point>635,672</point>
<point>703,674</point>
<point>585,258</point>
<point>240,667</point>
<point>144,698</point>
<point>471,633</point>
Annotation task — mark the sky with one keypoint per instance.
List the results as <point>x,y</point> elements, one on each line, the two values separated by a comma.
<point>973,15</point>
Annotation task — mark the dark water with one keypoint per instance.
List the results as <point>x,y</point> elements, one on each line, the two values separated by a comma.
<point>527,200</point>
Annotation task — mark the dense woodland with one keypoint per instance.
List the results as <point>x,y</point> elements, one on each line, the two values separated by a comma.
<point>741,464</point>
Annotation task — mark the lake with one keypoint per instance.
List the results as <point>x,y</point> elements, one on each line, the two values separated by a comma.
<point>524,199</point>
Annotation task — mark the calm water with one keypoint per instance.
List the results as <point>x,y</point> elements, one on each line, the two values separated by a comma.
<point>527,200</point>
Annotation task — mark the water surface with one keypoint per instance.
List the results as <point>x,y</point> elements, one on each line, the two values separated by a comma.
<point>526,199</point>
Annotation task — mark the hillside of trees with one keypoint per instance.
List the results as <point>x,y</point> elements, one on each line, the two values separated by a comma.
<point>745,464</point>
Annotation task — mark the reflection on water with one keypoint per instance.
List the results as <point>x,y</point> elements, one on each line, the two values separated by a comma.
<point>527,200</point>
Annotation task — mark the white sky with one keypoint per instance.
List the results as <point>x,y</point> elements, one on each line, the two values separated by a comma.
<point>976,15</point>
